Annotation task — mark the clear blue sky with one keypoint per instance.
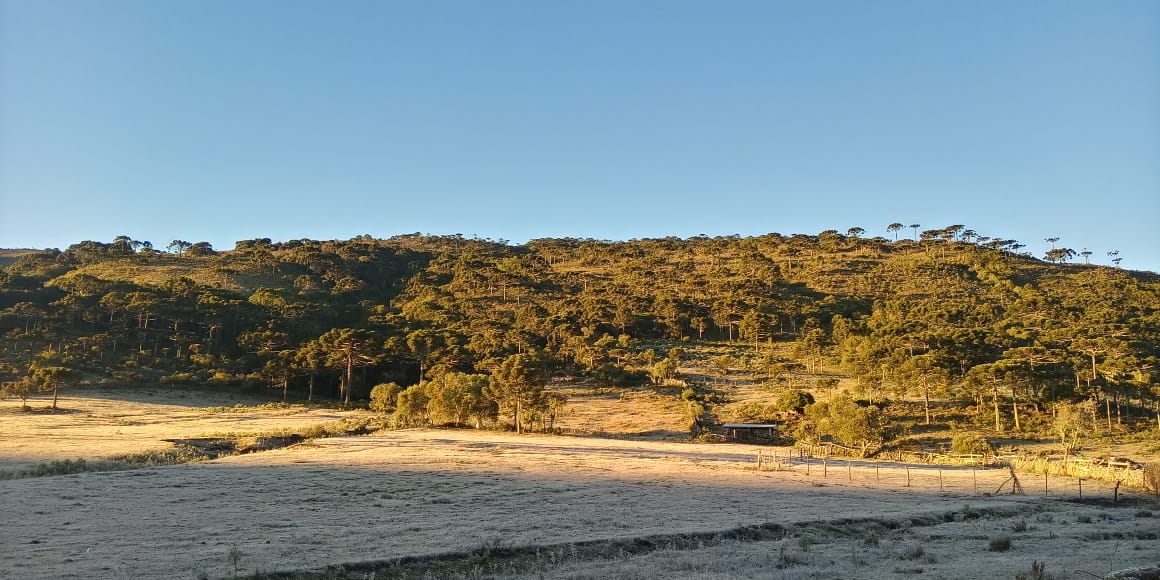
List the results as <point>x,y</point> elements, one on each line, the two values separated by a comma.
<point>210,120</point>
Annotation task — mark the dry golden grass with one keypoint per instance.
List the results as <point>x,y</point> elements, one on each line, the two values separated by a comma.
<point>100,422</point>
<point>640,412</point>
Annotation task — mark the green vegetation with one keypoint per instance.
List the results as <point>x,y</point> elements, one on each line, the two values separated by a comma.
<point>970,444</point>
<point>472,330</point>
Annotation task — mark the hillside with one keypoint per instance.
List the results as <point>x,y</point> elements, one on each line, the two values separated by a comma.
<point>9,255</point>
<point>951,317</point>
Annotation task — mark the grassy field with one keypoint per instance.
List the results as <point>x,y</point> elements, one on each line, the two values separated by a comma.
<point>479,504</point>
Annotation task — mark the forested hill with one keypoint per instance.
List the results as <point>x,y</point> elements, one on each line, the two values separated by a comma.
<point>952,307</point>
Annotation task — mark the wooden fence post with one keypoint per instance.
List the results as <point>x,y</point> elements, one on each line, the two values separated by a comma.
<point>823,467</point>
<point>907,476</point>
<point>940,481</point>
<point>975,480</point>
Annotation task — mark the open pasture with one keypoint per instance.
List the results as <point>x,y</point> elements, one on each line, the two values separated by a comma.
<point>472,504</point>
<point>96,422</point>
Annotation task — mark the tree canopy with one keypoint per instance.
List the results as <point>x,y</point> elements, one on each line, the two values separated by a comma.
<point>948,314</point>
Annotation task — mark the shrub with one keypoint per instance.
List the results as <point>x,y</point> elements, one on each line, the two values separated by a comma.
<point>804,542</point>
<point>411,407</point>
<point>794,400</point>
<point>384,397</point>
<point>1152,477</point>
<point>843,419</point>
<point>911,552</point>
<point>970,444</point>
<point>787,559</point>
<point>609,375</point>
<point>1019,526</point>
<point>752,412</point>
<point>458,398</point>
<point>1000,543</point>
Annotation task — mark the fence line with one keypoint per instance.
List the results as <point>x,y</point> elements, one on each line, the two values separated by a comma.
<point>995,478</point>
<point>1083,468</point>
<point>924,457</point>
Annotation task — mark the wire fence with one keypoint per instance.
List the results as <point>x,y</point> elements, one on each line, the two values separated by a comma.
<point>987,476</point>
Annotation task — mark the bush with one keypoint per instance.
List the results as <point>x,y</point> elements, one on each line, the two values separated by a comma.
<point>384,396</point>
<point>1000,543</point>
<point>911,551</point>
<point>610,375</point>
<point>752,412</point>
<point>845,421</point>
<point>971,444</point>
<point>794,400</point>
<point>1152,477</point>
<point>459,399</point>
<point>411,408</point>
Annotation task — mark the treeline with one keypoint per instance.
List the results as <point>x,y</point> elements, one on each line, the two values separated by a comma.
<point>947,314</point>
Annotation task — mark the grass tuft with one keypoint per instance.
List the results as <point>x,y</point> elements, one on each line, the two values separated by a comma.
<point>912,551</point>
<point>1000,543</point>
<point>1038,572</point>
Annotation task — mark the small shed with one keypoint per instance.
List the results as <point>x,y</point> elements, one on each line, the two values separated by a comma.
<point>750,431</point>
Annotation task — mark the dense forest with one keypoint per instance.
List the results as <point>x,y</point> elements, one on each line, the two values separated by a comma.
<point>464,329</point>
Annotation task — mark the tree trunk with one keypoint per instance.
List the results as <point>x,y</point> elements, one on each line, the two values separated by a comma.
<point>1119,410</point>
<point>926,403</point>
<point>55,392</point>
<point>310,391</point>
<point>519,425</point>
<point>349,378</point>
<point>1015,411</point>
<point>995,402</point>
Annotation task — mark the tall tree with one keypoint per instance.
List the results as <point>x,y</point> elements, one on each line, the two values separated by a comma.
<point>893,228</point>
<point>51,378</point>
<point>178,246</point>
<point>516,384</point>
<point>348,349</point>
<point>927,375</point>
<point>310,359</point>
